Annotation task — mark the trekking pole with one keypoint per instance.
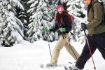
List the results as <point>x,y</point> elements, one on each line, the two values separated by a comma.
<point>90,50</point>
<point>49,48</point>
<point>48,43</point>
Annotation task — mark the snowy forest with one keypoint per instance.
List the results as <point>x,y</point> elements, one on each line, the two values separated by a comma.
<point>26,19</point>
<point>24,45</point>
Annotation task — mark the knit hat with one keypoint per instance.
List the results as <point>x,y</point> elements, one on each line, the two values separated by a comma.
<point>59,8</point>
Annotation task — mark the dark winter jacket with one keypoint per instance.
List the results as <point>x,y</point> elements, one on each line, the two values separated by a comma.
<point>95,17</point>
<point>63,20</point>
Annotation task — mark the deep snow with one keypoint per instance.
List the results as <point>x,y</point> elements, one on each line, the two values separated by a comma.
<point>29,56</point>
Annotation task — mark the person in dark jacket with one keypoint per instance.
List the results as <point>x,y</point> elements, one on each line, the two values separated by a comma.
<point>96,33</point>
<point>63,26</point>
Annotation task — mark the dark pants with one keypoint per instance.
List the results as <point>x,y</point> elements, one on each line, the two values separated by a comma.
<point>95,42</point>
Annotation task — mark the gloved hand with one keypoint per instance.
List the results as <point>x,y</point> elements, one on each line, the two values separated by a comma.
<point>46,29</point>
<point>83,26</point>
<point>51,12</point>
<point>62,29</point>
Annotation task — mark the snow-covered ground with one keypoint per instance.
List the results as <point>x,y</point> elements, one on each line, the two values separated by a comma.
<point>29,56</point>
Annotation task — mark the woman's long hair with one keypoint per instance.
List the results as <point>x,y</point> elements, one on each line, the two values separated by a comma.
<point>60,16</point>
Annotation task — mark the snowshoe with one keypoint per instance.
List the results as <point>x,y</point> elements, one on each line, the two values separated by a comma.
<point>72,68</point>
<point>50,65</point>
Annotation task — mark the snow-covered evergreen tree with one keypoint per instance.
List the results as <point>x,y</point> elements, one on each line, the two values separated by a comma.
<point>42,16</point>
<point>24,16</point>
<point>10,26</point>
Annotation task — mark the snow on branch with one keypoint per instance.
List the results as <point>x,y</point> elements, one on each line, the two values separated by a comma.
<point>16,3</point>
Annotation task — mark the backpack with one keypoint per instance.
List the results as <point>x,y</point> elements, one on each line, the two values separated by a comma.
<point>103,5</point>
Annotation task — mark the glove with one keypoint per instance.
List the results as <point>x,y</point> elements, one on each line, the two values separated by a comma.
<point>83,26</point>
<point>62,29</point>
<point>51,12</point>
<point>46,29</point>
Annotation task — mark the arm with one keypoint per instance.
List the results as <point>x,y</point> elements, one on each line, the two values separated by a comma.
<point>55,28</point>
<point>98,14</point>
<point>68,22</point>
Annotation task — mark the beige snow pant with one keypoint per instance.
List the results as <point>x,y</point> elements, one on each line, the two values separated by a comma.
<point>63,41</point>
